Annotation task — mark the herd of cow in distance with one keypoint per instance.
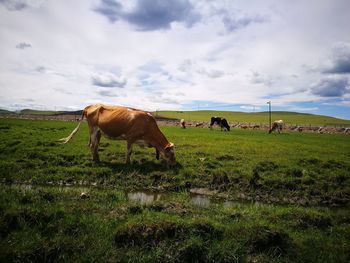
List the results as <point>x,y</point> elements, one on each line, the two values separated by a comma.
<point>139,127</point>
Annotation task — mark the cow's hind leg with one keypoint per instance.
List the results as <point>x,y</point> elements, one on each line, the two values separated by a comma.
<point>91,130</point>
<point>95,137</point>
<point>128,152</point>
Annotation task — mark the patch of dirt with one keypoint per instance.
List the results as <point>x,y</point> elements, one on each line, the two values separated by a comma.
<point>265,239</point>
<point>304,221</point>
<point>220,181</point>
<point>265,166</point>
<point>311,161</point>
<point>152,233</point>
<point>332,164</point>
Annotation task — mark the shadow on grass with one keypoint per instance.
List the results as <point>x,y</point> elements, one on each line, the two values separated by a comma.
<point>143,166</point>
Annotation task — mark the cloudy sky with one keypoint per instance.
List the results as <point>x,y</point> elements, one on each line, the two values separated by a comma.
<point>176,54</point>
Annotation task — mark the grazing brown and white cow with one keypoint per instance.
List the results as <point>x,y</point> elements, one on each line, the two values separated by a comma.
<point>277,125</point>
<point>183,123</point>
<point>122,123</point>
<point>299,129</point>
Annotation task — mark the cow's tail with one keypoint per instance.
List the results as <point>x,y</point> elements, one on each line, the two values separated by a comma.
<point>70,136</point>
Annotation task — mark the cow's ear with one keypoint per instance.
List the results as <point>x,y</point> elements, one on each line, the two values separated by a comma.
<point>169,147</point>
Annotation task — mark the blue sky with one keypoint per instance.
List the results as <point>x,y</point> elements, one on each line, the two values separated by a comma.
<point>176,55</point>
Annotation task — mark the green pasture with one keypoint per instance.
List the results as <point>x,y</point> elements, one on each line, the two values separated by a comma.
<point>291,118</point>
<point>305,167</point>
<point>290,194</point>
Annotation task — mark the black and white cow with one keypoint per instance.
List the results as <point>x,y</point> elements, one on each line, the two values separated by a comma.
<point>222,122</point>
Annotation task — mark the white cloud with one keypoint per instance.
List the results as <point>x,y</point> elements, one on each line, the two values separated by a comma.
<point>23,45</point>
<point>108,80</point>
<point>252,52</point>
<point>331,87</point>
<point>17,5</point>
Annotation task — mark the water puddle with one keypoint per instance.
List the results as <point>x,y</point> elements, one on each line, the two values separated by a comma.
<point>206,201</point>
<point>200,200</point>
<point>144,197</point>
<point>197,197</point>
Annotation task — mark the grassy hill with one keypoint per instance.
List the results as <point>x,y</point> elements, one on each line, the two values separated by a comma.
<point>293,118</point>
<point>38,112</point>
<point>2,111</point>
<point>256,117</point>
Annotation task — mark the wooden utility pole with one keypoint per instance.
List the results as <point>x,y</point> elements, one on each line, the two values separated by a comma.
<point>269,102</point>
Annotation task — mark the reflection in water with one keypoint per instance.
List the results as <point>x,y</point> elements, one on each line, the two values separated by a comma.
<point>206,201</point>
<point>144,198</point>
<point>200,200</point>
<point>148,197</point>
<point>229,204</point>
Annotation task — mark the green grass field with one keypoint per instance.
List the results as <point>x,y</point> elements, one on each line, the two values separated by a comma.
<point>284,189</point>
<point>291,118</point>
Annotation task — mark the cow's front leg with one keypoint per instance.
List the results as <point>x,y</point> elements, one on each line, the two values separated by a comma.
<point>157,154</point>
<point>128,152</point>
<point>91,131</point>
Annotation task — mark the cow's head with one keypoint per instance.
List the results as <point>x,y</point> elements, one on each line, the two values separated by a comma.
<point>169,153</point>
<point>274,126</point>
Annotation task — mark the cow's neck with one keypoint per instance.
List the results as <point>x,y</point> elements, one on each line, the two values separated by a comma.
<point>159,142</point>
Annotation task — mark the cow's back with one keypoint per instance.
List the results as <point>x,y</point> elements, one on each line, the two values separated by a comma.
<point>117,121</point>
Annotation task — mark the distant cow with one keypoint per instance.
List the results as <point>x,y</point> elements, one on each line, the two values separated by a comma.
<point>222,122</point>
<point>121,123</point>
<point>183,123</point>
<point>277,125</point>
<point>298,128</point>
